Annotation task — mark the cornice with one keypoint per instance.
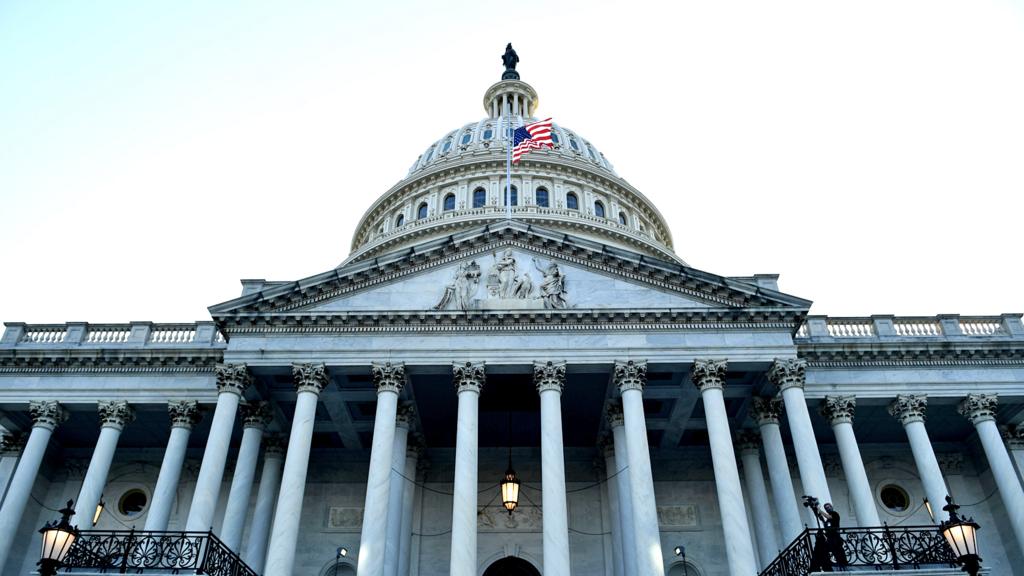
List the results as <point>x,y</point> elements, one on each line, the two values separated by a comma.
<point>107,361</point>
<point>951,354</point>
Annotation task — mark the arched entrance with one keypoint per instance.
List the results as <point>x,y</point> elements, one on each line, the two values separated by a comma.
<point>511,566</point>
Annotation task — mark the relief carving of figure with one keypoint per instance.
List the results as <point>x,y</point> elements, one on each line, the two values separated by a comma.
<point>459,294</point>
<point>506,268</point>
<point>552,288</point>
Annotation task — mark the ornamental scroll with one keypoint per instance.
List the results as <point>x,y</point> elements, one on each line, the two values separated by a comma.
<point>507,286</point>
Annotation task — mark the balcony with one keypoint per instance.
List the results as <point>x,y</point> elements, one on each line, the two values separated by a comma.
<point>138,552</point>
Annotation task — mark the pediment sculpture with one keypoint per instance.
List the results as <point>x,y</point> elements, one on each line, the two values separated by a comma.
<point>507,286</point>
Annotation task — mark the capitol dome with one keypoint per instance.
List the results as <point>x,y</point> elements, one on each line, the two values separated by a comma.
<point>459,183</point>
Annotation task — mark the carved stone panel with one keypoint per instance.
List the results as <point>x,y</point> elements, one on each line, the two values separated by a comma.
<point>524,519</point>
<point>682,516</point>
<point>344,518</point>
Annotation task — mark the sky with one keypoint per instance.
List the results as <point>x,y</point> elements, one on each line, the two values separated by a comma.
<point>154,153</point>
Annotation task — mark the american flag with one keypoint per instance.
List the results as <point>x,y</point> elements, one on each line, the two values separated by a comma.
<point>531,137</point>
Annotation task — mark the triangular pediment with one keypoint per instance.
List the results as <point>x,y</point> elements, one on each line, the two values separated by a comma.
<point>507,267</point>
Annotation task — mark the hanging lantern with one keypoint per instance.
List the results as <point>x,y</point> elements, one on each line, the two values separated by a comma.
<point>58,537</point>
<point>962,536</point>
<point>99,511</point>
<point>510,489</point>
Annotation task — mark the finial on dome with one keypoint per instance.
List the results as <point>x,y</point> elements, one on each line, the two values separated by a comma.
<point>510,59</point>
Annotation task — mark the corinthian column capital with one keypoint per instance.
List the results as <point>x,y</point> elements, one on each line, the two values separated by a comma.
<point>748,441</point>
<point>709,374</point>
<point>388,377</point>
<point>47,413</point>
<point>255,415</point>
<point>630,375</point>
<point>766,410</point>
<point>614,413</point>
<point>10,444</point>
<point>404,416</point>
<point>1014,437</point>
<point>183,413</point>
<point>310,377</point>
<point>275,446</point>
<point>468,376</point>
<point>909,408</point>
<point>232,378</point>
<point>115,414</point>
<point>838,409</point>
<point>549,376</point>
<point>979,407</point>
<point>788,372</point>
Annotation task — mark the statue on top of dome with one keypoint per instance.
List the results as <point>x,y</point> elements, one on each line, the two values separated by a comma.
<point>510,59</point>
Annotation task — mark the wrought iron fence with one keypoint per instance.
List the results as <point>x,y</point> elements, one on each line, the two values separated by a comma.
<point>133,551</point>
<point>906,547</point>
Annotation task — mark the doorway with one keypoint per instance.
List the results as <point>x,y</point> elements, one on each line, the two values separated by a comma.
<point>511,566</point>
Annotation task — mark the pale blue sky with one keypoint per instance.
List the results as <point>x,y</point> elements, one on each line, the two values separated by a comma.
<point>153,153</point>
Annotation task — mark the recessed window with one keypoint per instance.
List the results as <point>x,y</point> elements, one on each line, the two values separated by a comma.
<point>466,138</point>
<point>590,152</point>
<point>554,137</point>
<point>421,212</point>
<point>623,219</point>
<point>488,133</point>
<point>399,220</point>
<point>449,202</point>
<point>572,202</point>
<point>514,196</point>
<point>479,198</point>
<point>575,146</point>
<point>132,503</point>
<point>894,498</point>
<point>447,146</point>
<point>599,209</point>
<point>426,157</point>
<point>543,197</point>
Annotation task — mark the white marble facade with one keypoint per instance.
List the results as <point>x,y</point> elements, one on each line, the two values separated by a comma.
<point>302,405</point>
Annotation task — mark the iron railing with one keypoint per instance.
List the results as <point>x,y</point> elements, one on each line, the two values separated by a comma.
<point>135,551</point>
<point>906,547</point>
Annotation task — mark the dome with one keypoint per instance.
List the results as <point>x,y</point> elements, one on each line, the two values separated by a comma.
<point>459,182</point>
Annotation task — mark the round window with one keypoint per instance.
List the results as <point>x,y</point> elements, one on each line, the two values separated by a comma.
<point>132,503</point>
<point>894,498</point>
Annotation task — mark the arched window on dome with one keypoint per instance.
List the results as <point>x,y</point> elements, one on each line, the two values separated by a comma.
<point>554,137</point>
<point>426,157</point>
<point>575,146</point>
<point>421,212</point>
<point>447,146</point>
<point>599,209</point>
<point>467,138</point>
<point>479,198</point>
<point>488,133</point>
<point>513,196</point>
<point>590,152</point>
<point>399,220</point>
<point>623,218</point>
<point>572,202</point>
<point>449,202</point>
<point>543,198</point>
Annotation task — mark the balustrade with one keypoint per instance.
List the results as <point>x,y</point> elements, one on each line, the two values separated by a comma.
<point>138,551</point>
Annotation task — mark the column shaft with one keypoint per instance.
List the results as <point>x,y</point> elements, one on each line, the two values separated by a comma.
<point>624,490</point>
<point>856,475</point>
<point>46,416</point>
<point>241,488</point>
<point>464,501</point>
<point>96,476</point>
<point>393,541</point>
<point>8,462</point>
<point>259,532</point>
<point>167,482</point>
<point>285,532</point>
<point>1017,451</point>
<point>927,465</point>
<point>408,498</point>
<point>709,376</point>
<point>614,514</point>
<point>1006,479</point>
<point>211,471</point>
<point>808,460</point>
<point>767,544</point>
<point>556,519</point>
<point>782,483</point>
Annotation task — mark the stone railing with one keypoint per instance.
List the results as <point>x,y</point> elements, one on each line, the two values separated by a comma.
<point>135,334</point>
<point>911,327</point>
<point>139,552</point>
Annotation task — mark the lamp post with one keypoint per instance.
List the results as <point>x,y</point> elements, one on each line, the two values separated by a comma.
<point>681,552</point>
<point>510,488</point>
<point>962,536</point>
<point>342,552</point>
<point>58,537</point>
<point>99,512</point>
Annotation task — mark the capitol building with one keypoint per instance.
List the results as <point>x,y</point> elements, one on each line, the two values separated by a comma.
<point>660,420</point>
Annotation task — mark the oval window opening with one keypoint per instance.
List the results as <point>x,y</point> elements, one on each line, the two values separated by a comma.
<point>132,503</point>
<point>894,498</point>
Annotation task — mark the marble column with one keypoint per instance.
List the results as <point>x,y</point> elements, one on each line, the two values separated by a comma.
<point>1014,437</point>
<point>184,415</point>
<point>469,379</point>
<point>389,379</point>
<point>255,418</point>
<point>232,380</point>
<point>549,377</point>
<point>114,415</point>
<point>412,461</point>
<point>10,449</point>
<point>607,449</point>
<point>838,410</point>
<point>767,412</point>
<point>788,374</point>
<point>396,489</point>
<point>45,418</point>
<point>630,377</point>
<point>623,489</point>
<point>310,380</point>
<point>266,496</point>
<point>910,409</point>
<point>709,377</point>
<point>980,409</point>
<point>764,528</point>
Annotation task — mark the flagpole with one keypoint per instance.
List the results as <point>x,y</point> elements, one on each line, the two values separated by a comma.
<point>508,163</point>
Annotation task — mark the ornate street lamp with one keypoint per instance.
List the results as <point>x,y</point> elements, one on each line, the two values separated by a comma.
<point>681,552</point>
<point>99,511</point>
<point>962,536</point>
<point>510,487</point>
<point>58,537</point>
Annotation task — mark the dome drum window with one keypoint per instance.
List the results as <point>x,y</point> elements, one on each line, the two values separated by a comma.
<point>399,220</point>
<point>479,198</point>
<point>599,209</point>
<point>572,202</point>
<point>513,196</point>
<point>449,202</point>
<point>623,219</point>
<point>543,198</point>
<point>466,139</point>
<point>422,211</point>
